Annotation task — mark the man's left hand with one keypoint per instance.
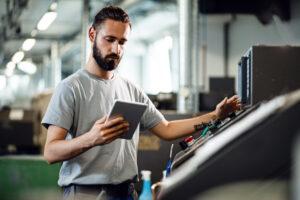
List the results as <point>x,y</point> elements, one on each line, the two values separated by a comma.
<point>227,106</point>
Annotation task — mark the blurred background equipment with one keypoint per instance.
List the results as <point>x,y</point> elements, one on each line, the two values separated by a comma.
<point>18,131</point>
<point>267,71</point>
<point>165,101</point>
<point>263,9</point>
<point>219,87</point>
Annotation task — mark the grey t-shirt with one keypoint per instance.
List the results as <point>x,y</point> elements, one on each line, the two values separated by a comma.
<point>80,100</point>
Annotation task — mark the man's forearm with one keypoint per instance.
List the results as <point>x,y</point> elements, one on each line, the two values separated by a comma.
<point>60,150</point>
<point>180,128</point>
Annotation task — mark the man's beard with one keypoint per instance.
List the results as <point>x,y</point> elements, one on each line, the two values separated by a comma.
<point>107,63</point>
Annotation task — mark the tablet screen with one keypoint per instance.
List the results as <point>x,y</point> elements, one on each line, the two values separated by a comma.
<point>132,113</point>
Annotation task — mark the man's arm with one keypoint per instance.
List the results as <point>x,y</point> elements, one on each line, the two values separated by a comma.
<point>58,149</point>
<point>180,128</point>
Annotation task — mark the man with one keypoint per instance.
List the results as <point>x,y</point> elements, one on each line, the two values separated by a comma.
<point>96,163</point>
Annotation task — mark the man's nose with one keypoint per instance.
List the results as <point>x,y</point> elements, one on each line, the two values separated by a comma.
<point>116,48</point>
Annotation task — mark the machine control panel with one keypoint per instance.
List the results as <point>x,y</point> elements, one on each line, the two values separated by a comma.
<point>205,132</point>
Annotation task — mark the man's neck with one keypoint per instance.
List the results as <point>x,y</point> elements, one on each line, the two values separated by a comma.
<point>93,68</point>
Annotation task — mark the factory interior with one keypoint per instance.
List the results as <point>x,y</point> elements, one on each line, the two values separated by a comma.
<point>187,56</point>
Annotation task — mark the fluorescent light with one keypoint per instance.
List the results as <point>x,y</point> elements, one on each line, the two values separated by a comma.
<point>11,65</point>
<point>33,33</point>
<point>27,67</point>
<point>9,72</point>
<point>53,6</point>
<point>18,56</point>
<point>46,20</point>
<point>28,44</point>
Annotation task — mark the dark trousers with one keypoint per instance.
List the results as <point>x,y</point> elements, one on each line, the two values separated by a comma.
<point>123,191</point>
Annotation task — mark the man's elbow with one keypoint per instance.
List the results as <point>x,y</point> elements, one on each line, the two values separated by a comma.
<point>166,137</point>
<point>163,130</point>
<point>48,157</point>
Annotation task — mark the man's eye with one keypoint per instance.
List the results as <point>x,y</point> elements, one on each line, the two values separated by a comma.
<point>110,40</point>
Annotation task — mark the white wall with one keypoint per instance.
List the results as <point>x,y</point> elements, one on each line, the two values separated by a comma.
<point>130,67</point>
<point>215,50</point>
<point>215,53</point>
<point>247,31</point>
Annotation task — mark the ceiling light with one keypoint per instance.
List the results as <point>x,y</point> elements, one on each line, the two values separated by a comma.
<point>11,65</point>
<point>46,20</point>
<point>53,6</point>
<point>33,33</point>
<point>28,44</point>
<point>9,72</point>
<point>18,56</point>
<point>27,67</point>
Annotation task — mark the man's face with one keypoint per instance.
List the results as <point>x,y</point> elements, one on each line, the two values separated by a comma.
<point>109,43</point>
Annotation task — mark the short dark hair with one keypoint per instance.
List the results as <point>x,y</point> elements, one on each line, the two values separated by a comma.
<point>110,12</point>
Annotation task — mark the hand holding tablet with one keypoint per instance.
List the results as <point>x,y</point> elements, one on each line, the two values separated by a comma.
<point>132,112</point>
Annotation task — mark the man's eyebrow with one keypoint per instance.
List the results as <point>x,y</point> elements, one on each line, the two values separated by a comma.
<point>113,37</point>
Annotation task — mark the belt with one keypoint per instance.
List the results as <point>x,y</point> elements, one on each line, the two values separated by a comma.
<point>119,190</point>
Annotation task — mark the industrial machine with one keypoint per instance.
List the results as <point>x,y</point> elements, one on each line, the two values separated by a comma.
<point>248,155</point>
<point>268,71</point>
<point>252,146</point>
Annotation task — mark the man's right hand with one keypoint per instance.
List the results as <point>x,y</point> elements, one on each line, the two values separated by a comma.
<point>104,132</point>
<point>57,148</point>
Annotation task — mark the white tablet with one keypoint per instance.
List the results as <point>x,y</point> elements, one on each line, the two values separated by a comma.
<point>131,111</point>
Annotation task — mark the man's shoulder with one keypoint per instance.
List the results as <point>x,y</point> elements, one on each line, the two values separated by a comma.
<point>128,82</point>
<point>133,87</point>
<point>73,79</point>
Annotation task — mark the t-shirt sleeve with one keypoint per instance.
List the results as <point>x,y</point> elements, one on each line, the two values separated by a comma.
<point>152,116</point>
<point>60,110</point>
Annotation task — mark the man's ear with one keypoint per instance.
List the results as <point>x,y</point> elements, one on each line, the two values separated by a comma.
<point>92,34</point>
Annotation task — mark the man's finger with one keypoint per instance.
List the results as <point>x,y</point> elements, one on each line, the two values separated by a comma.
<point>224,101</point>
<point>233,98</point>
<point>114,121</point>
<point>117,128</point>
<point>114,136</point>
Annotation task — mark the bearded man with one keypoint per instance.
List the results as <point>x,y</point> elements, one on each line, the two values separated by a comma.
<point>97,163</point>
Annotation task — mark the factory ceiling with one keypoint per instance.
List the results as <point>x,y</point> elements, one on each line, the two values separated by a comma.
<point>19,20</point>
